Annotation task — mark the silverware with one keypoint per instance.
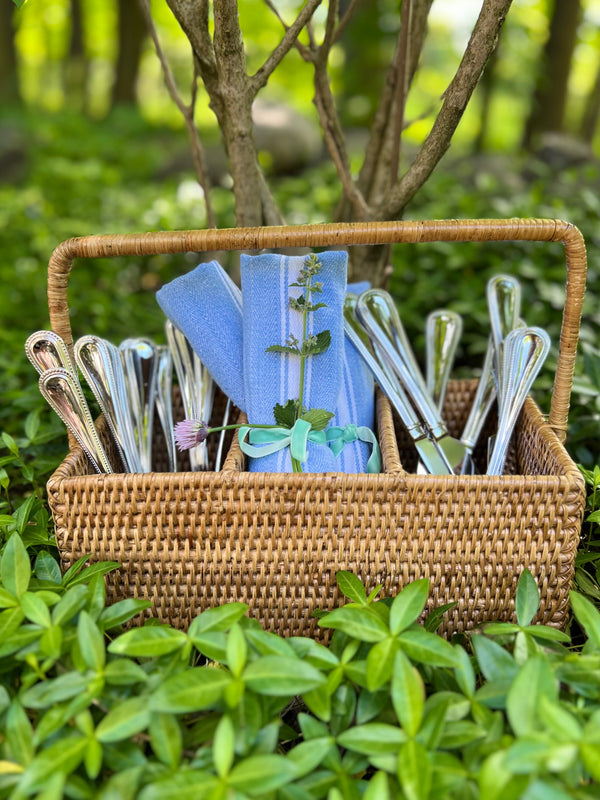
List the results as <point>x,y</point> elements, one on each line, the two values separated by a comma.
<point>224,421</point>
<point>443,329</point>
<point>46,350</point>
<point>523,354</point>
<point>94,360</point>
<point>139,361</point>
<point>196,385</point>
<point>63,393</point>
<point>483,401</point>
<point>376,311</point>
<point>431,455</point>
<point>163,376</point>
<point>503,294</point>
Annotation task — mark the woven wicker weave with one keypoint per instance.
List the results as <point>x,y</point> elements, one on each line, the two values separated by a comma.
<point>191,540</point>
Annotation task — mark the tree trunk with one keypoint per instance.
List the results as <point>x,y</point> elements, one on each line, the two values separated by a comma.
<point>132,32</point>
<point>220,59</point>
<point>550,96</point>
<point>591,112</point>
<point>9,83</point>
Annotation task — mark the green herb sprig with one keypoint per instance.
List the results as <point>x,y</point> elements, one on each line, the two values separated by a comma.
<point>287,414</point>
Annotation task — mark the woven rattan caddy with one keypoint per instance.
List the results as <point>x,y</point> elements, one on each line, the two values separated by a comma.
<point>191,540</point>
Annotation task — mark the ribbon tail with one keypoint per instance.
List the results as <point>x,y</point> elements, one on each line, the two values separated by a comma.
<point>366,435</point>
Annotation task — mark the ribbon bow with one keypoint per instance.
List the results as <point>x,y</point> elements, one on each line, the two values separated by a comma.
<point>338,437</point>
<point>265,441</point>
<point>273,439</point>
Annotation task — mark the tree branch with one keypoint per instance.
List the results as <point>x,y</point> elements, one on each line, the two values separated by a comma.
<point>329,119</point>
<point>345,20</point>
<point>400,95</point>
<point>192,16</point>
<point>481,44</point>
<point>263,73</point>
<point>187,112</point>
<point>374,165</point>
<point>304,51</point>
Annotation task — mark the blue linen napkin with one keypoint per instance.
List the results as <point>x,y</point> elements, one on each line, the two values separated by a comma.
<point>356,401</point>
<point>206,306</point>
<point>271,378</point>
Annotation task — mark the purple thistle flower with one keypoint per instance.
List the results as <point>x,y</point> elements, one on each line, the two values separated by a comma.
<point>190,433</point>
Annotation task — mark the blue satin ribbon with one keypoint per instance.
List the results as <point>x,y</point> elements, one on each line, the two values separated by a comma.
<point>338,437</point>
<point>265,441</point>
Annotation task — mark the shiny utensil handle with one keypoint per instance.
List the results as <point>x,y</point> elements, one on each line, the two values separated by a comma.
<point>93,361</point>
<point>378,366</point>
<point>138,361</point>
<point>443,329</point>
<point>124,418</point>
<point>524,352</point>
<point>376,311</point>
<point>163,376</point>
<point>184,369</point>
<point>46,350</point>
<point>64,395</point>
<point>503,294</point>
<point>485,395</point>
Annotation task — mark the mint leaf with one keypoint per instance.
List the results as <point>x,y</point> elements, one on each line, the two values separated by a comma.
<point>285,415</point>
<point>318,418</point>
<point>281,348</point>
<point>316,344</point>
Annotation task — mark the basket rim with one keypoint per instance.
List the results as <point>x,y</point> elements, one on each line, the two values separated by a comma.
<point>63,479</point>
<point>340,234</point>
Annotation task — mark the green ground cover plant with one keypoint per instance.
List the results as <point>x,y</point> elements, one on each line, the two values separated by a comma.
<point>389,709</point>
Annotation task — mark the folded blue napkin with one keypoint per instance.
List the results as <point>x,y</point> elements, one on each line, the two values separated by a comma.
<point>206,306</point>
<point>356,401</point>
<point>268,319</point>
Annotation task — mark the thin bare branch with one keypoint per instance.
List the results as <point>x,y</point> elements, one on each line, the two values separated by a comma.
<point>375,171</point>
<point>481,44</point>
<point>330,28</point>
<point>302,49</point>
<point>345,19</point>
<point>271,212</point>
<point>329,118</point>
<point>187,111</point>
<point>404,59</point>
<point>334,140</point>
<point>378,129</point>
<point>193,18</point>
<point>262,75</point>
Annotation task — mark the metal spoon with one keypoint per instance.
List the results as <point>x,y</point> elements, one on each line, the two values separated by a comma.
<point>46,350</point>
<point>224,421</point>
<point>443,329</point>
<point>376,311</point>
<point>93,359</point>
<point>503,294</point>
<point>523,354</point>
<point>430,454</point>
<point>483,401</point>
<point>163,376</point>
<point>196,386</point>
<point>139,361</point>
<point>63,393</point>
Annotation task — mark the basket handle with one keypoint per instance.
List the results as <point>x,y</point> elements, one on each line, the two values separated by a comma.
<point>341,234</point>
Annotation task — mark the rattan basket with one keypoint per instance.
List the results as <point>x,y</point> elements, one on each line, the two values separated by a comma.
<point>190,540</point>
